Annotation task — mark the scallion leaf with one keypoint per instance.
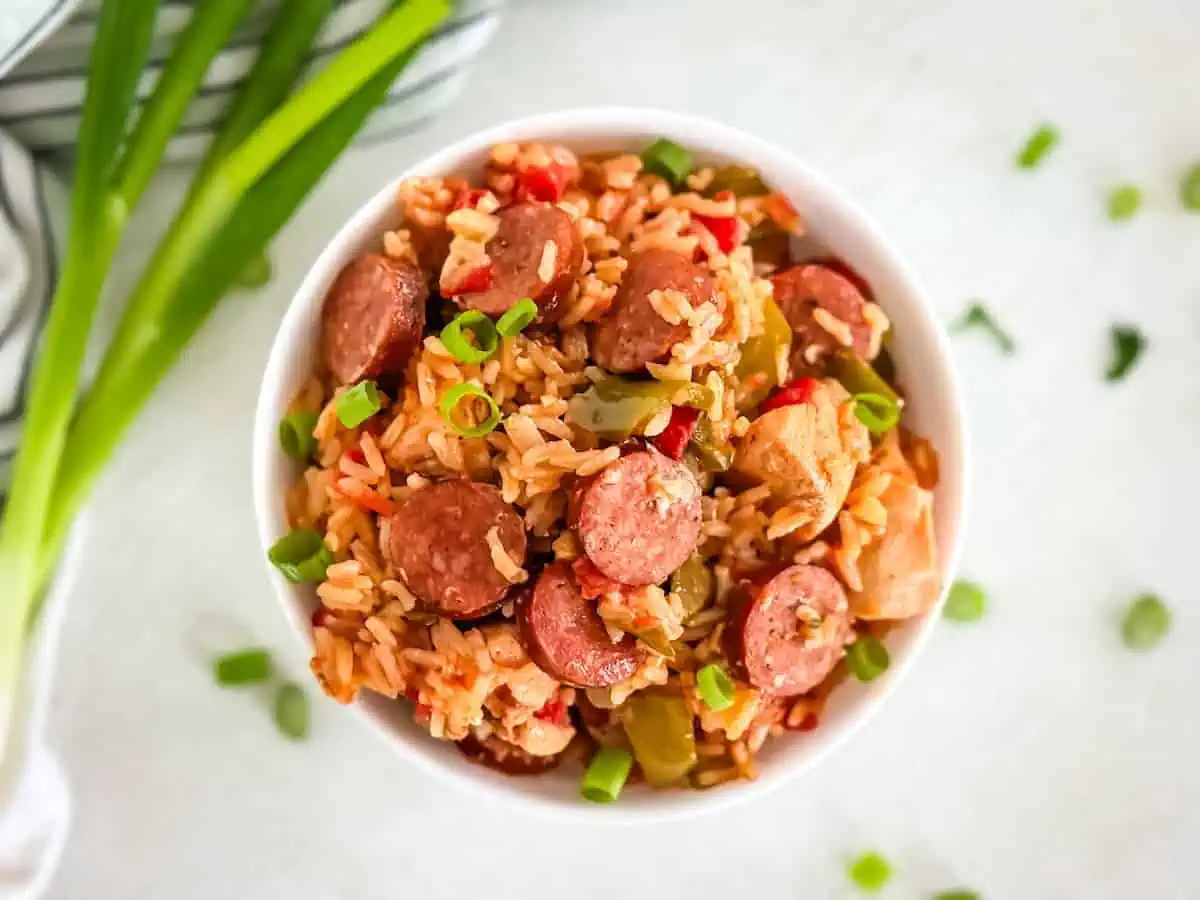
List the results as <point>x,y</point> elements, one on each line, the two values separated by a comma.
<point>1123,202</point>
<point>358,404</point>
<point>479,326</point>
<point>296,435</point>
<point>251,666</point>
<point>517,318</point>
<point>867,657</point>
<point>668,160</point>
<point>291,711</point>
<point>450,401</point>
<point>606,774</point>
<point>879,413</point>
<point>1189,189</point>
<point>957,895</point>
<point>977,316</point>
<point>870,872</point>
<point>1040,143</point>
<point>715,687</point>
<point>1127,345</point>
<point>1146,623</point>
<point>966,602</point>
<point>301,556</point>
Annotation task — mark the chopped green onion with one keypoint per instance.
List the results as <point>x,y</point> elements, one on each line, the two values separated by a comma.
<point>606,774</point>
<point>879,413</point>
<point>1127,345</point>
<point>291,711</point>
<point>296,435</point>
<point>966,602</point>
<point>669,160</point>
<point>256,273</point>
<point>1189,189</point>
<point>868,658</point>
<point>481,328</point>
<point>715,687</point>
<point>1040,143</point>
<point>517,318</point>
<point>977,316</point>
<point>870,872</point>
<point>1146,623</point>
<point>957,895</point>
<point>358,404</point>
<point>1124,201</point>
<point>450,401</point>
<point>243,667</point>
<point>301,556</point>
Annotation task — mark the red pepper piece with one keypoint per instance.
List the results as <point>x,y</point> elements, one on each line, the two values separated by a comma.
<point>674,438</point>
<point>472,281</point>
<point>791,394</point>
<point>546,184</point>
<point>724,230</point>
<point>469,197</point>
<point>555,712</point>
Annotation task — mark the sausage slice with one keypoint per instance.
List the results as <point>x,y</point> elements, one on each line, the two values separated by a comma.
<point>799,292</point>
<point>633,333</point>
<point>787,635</point>
<point>638,518</point>
<point>373,317</point>
<point>438,541</point>
<point>520,259</point>
<point>564,635</point>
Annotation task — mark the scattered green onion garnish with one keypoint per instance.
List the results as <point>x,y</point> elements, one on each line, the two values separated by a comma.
<point>879,413</point>
<point>480,327</point>
<point>715,687</point>
<point>1189,189</point>
<point>977,316</point>
<point>256,274</point>
<point>291,711</point>
<point>1127,345</point>
<point>517,318</point>
<point>358,404</point>
<point>870,872</point>
<point>450,401</point>
<point>966,602</point>
<point>1146,623</point>
<point>957,895</point>
<point>1123,202</point>
<point>668,159</point>
<point>251,666</point>
<point>301,556</point>
<point>606,774</point>
<point>296,435</point>
<point>1040,143</point>
<point>868,658</point>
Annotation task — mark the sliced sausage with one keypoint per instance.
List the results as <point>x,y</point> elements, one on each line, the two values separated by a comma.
<point>502,756</point>
<point>533,240</point>
<point>799,292</point>
<point>565,636</point>
<point>438,541</point>
<point>638,518</point>
<point>787,634</point>
<point>633,333</point>
<point>373,317</point>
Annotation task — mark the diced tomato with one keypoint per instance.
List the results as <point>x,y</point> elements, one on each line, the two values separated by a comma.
<point>673,439</point>
<point>555,712</point>
<point>354,454</point>
<point>469,197</point>
<point>546,184</point>
<point>319,616</point>
<point>723,229</point>
<point>592,582</point>
<point>809,722</point>
<point>791,394</point>
<point>852,276</point>
<point>472,281</point>
<point>370,500</point>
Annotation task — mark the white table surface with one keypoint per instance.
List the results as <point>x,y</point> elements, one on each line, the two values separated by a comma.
<point>1027,756</point>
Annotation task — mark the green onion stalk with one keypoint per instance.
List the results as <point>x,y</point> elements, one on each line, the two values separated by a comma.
<point>111,174</point>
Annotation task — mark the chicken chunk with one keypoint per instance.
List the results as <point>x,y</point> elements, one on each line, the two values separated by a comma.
<point>807,453</point>
<point>900,576</point>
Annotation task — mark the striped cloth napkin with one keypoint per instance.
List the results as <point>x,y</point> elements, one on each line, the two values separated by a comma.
<point>43,49</point>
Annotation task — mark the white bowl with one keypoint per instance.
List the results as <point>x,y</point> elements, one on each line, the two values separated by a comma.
<point>923,360</point>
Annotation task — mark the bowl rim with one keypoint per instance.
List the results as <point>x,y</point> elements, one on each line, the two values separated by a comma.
<point>735,143</point>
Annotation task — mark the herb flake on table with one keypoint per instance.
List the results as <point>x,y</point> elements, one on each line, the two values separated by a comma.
<point>241,667</point>
<point>1039,145</point>
<point>1127,346</point>
<point>1189,189</point>
<point>1124,202</point>
<point>957,895</point>
<point>1146,623</point>
<point>966,602</point>
<point>291,711</point>
<point>870,872</point>
<point>977,316</point>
